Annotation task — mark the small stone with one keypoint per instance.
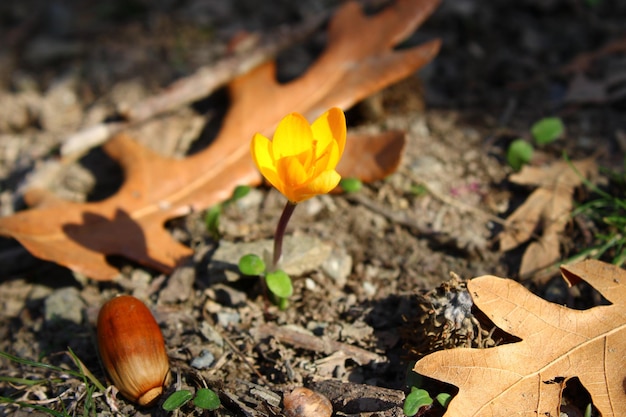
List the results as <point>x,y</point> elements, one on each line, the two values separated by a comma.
<point>64,304</point>
<point>369,288</point>
<point>203,361</point>
<point>227,318</point>
<point>338,266</point>
<point>211,335</point>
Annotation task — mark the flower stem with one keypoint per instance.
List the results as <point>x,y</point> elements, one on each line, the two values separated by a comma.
<point>280,232</point>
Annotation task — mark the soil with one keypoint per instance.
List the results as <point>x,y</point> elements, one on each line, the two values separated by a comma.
<point>393,249</point>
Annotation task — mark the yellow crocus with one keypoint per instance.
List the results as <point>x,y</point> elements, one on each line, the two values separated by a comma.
<point>300,160</point>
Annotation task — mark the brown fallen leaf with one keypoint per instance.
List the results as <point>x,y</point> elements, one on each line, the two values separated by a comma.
<point>527,378</point>
<point>358,61</point>
<point>547,210</point>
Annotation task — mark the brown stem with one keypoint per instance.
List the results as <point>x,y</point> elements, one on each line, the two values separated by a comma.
<point>280,232</point>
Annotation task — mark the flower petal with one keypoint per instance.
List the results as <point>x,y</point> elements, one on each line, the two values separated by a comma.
<point>331,124</point>
<point>322,184</point>
<point>292,137</point>
<point>261,149</point>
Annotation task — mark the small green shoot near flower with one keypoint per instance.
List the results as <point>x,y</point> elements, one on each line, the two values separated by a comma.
<point>212,216</point>
<point>277,282</point>
<point>205,399</point>
<point>519,153</point>
<point>251,265</point>
<point>543,132</point>
<point>351,185</point>
<point>547,130</point>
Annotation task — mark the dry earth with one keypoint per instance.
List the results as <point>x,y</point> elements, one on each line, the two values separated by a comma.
<point>503,65</point>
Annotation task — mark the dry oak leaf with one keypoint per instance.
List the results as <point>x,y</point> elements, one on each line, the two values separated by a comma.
<point>527,378</point>
<point>358,61</point>
<point>547,210</point>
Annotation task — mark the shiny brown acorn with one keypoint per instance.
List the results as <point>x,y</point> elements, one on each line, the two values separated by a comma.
<point>132,349</point>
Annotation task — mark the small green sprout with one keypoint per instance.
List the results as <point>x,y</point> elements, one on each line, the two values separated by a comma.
<point>277,282</point>
<point>419,397</point>
<point>547,130</point>
<point>543,132</point>
<point>177,399</point>
<point>205,399</point>
<point>519,154</point>
<point>351,185</point>
<point>251,265</point>
<point>416,399</point>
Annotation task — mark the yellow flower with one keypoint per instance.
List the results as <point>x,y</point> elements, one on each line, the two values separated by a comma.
<point>300,161</point>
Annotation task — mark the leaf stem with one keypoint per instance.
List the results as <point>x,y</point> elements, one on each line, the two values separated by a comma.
<point>280,232</point>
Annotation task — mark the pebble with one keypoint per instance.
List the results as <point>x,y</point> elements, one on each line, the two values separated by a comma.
<point>64,304</point>
<point>227,318</point>
<point>203,361</point>
<point>369,289</point>
<point>338,267</point>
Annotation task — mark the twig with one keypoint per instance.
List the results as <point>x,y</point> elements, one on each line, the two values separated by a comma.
<point>317,344</point>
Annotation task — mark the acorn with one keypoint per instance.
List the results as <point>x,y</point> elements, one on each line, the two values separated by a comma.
<point>132,349</point>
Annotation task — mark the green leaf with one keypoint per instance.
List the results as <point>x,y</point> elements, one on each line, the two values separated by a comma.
<point>177,400</point>
<point>282,303</point>
<point>520,152</point>
<point>251,265</point>
<point>351,185</point>
<point>240,192</point>
<point>279,284</point>
<point>443,399</point>
<point>206,399</point>
<point>212,221</point>
<point>416,399</point>
<point>547,130</point>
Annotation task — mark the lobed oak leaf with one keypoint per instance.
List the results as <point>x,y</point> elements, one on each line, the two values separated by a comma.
<point>358,61</point>
<point>547,210</point>
<point>527,378</point>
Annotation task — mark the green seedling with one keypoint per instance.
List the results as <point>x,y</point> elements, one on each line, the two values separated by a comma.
<point>277,282</point>
<point>204,398</point>
<point>519,154</point>
<point>543,132</point>
<point>212,216</point>
<point>418,397</point>
<point>351,185</point>
<point>547,130</point>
